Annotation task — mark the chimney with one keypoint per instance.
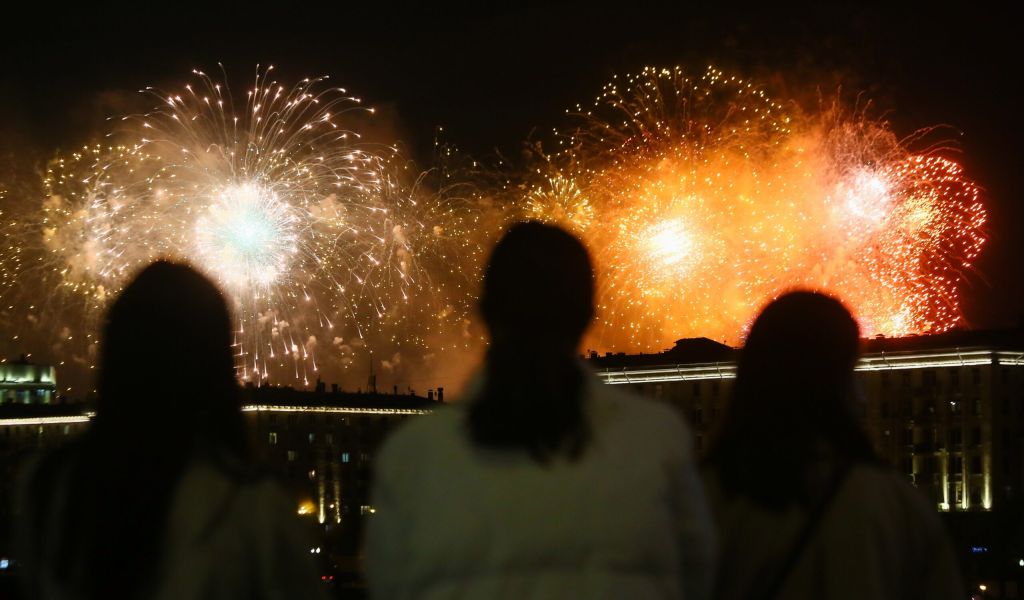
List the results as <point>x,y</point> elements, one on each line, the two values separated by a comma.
<point>440,394</point>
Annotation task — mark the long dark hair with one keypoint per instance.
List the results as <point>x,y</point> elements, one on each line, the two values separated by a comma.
<point>167,395</point>
<point>537,300</point>
<point>793,401</point>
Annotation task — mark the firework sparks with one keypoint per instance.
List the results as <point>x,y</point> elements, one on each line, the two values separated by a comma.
<point>313,234</point>
<point>704,198</point>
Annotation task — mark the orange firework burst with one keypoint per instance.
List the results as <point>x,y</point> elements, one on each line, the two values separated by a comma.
<point>702,199</point>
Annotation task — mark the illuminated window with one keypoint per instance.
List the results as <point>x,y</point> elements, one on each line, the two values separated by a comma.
<point>291,456</point>
<point>312,438</point>
<point>273,438</point>
<point>366,509</point>
<point>976,404</point>
<point>329,438</point>
<point>344,457</point>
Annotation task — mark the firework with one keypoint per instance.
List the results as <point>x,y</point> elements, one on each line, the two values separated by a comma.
<point>702,198</point>
<point>322,242</point>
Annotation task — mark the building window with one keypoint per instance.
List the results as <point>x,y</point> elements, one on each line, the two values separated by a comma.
<point>929,378</point>
<point>272,438</point>
<point>955,437</point>
<point>291,456</point>
<point>698,415</point>
<point>715,387</point>
<point>367,509</point>
<point>908,465</point>
<point>312,438</point>
<point>976,375</point>
<point>344,457</point>
<point>954,407</point>
<point>976,436</point>
<point>696,389</point>
<point>329,438</point>
<point>958,466</point>
<point>905,378</point>
<point>884,408</point>
<point>885,379</point>
<point>976,404</point>
<point>954,377</point>
<point>975,465</point>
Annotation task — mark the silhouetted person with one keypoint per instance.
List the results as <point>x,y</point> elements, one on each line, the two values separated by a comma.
<point>804,507</point>
<point>157,499</point>
<point>541,483</point>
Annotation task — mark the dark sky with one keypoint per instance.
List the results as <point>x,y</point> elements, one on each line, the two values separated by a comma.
<point>493,78</point>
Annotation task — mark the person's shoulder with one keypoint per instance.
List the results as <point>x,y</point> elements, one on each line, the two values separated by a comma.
<point>898,498</point>
<point>655,418</point>
<point>420,432</point>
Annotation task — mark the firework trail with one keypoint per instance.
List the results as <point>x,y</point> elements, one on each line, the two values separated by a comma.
<point>318,239</point>
<point>702,198</point>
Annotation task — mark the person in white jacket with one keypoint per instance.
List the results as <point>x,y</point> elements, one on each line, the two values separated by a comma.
<point>805,509</point>
<point>158,498</point>
<point>541,483</point>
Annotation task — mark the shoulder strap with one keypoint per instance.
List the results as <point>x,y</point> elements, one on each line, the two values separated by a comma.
<point>796,551</point>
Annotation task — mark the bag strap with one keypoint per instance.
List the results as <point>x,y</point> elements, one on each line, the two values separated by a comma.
<point>798,548</point>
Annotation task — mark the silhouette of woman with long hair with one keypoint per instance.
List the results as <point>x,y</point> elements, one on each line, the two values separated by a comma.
<point>805,508</point>
<point>541,483</point>
<point>158,499</point>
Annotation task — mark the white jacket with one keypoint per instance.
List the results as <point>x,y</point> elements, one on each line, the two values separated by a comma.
<point>225,539</point>
<point>627,520</point>
<point>878,539</point>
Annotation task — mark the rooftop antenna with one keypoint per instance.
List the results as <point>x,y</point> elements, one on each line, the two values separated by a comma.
<point>372,383</point>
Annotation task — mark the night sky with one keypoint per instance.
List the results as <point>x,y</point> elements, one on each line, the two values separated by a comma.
<point>495,79</point>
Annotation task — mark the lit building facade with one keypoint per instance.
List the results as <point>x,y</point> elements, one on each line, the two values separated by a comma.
<point>321,444</point>
<point>22,382</point>
<point>947,410</point>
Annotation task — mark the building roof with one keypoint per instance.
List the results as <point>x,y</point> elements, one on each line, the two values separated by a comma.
<point>690,351</point>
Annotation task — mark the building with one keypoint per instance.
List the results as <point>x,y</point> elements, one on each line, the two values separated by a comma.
<point>23,382</point>
<point>321,443</point>
<point>947,409</point>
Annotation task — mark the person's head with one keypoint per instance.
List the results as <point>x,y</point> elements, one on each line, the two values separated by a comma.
<point>538,289</point>
<point>166,356</point>
<point>794,399</point>
<point>167,395</point>
<point>537,301</point>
